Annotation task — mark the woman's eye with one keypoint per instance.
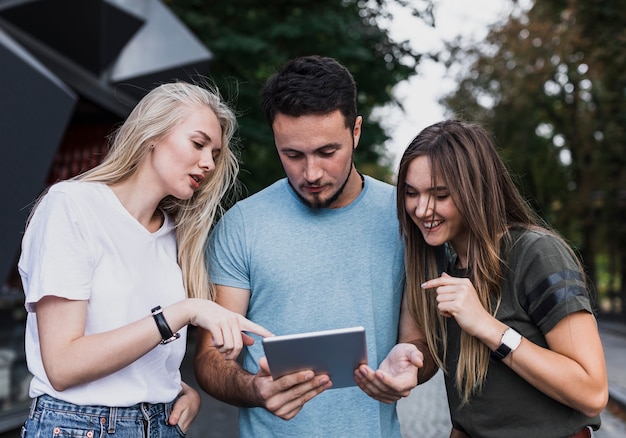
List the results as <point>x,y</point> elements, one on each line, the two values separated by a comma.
<point>198,145</point>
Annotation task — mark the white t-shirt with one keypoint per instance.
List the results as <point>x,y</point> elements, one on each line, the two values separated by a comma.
<point>82,244</point>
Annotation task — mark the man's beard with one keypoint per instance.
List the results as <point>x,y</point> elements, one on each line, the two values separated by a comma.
<point>328,202</point>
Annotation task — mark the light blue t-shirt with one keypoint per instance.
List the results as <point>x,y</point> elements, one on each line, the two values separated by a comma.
<point>316,269</point>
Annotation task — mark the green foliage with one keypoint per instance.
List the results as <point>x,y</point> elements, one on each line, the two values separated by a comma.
<point>551,84</point>
<point>250,39</point>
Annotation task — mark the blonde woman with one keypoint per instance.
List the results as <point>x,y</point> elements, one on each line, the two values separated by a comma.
<point>113,270</point>
<point>510,319</point>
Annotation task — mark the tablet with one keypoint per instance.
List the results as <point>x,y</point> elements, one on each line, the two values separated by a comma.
<point>334,352</point>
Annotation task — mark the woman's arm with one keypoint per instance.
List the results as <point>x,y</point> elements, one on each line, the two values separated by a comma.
<point>572,370</point>
<point>70,358</point>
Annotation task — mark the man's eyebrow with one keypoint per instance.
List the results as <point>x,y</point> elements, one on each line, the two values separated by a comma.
<point>328,145</point>
<point>318,149</point>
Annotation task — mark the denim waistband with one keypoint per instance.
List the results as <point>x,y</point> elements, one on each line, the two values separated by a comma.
<point>106,415</point>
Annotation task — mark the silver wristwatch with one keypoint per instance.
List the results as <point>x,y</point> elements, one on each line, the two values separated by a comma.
<point>510,341</point>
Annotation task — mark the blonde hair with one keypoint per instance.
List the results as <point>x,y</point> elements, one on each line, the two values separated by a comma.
<point>465,158</point>
<point>154,117</point>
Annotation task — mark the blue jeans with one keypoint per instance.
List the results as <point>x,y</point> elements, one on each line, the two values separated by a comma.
<point>50,417</point>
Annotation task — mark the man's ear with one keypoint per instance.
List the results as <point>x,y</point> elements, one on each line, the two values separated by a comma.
<point>356,132</point>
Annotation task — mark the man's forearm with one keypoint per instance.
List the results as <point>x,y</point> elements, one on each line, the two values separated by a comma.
<point>224,379</point>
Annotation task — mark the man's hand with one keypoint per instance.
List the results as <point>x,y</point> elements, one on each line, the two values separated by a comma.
<point>395,377</point>
<point>285,397</point>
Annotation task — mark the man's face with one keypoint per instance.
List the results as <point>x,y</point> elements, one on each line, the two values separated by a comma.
<point>316,153</point>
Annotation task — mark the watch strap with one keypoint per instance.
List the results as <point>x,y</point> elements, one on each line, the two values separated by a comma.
<point>501,352</point>
<point>164,328</point>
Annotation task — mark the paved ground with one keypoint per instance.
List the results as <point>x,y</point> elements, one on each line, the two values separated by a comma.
<point>424,414</point>
<point>613,334</point>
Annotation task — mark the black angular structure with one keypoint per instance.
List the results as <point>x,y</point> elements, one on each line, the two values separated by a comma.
<point>70,70</point>
<point>67,65</point>
<point>36,109</point>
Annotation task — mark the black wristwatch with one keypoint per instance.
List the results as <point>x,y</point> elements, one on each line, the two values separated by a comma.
<point>510,341</point>
<point>166,332</point>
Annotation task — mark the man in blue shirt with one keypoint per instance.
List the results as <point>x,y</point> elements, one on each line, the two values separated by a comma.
<point>317,250</point>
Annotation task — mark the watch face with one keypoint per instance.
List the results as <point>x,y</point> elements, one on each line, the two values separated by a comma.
<point>511,339</point>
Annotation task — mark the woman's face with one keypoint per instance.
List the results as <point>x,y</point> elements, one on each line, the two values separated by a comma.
<point>431,208</point>
<point>185,156</point>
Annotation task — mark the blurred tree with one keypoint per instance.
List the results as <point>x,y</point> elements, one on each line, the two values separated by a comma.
<point>550,83</point>
<point>250,39</point>
<point>604,22</point>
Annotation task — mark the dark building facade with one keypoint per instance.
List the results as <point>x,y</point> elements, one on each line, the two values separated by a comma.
<point>70,70</point>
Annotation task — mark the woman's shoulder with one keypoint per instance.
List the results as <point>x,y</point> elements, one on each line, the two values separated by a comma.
<point>73,195</point>
<point>523,238</point>
<point>538,247</point>
<point>76,191</point>
<point>76,187</point>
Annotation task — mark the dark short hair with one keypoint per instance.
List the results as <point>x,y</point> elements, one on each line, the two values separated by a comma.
<point>310,85</point>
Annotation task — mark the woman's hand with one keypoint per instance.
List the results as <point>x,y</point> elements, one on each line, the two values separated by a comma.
<point>226,327</point>
<point>186,408</point>
<point>457,297</point>
<point>395,377</point>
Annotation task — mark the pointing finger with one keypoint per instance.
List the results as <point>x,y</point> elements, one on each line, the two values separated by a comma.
<point>249,326</point>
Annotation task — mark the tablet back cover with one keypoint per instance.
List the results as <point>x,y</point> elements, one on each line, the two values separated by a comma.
<point>334,352</point>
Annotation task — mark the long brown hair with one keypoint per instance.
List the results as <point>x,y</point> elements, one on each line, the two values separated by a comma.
<point>464,157</point>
